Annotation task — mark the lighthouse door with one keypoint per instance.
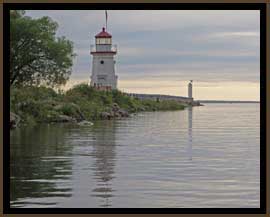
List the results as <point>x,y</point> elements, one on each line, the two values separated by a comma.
<point>102,79</point>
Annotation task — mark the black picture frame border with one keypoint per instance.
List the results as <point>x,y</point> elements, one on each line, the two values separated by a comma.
<point>134,6</point>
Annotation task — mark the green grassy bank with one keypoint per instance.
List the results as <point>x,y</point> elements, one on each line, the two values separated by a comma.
<point>42,104</point>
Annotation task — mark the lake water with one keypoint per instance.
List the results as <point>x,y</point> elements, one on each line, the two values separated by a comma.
<point>200,157</point>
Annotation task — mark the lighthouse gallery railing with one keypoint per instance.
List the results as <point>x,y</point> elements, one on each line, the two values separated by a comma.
<point>113,48</point>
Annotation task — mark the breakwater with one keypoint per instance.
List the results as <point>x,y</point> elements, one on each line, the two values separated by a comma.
<point>162,97</point>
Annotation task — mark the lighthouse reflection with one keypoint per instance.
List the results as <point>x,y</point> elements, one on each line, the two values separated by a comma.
<point>104,153</point>
<point>189,151</point>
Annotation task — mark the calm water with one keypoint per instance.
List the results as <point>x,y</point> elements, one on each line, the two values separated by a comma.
<point>201,157</point>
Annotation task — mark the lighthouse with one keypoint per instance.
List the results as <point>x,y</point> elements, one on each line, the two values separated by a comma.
<point>190,89</point>
<point>103,64</point>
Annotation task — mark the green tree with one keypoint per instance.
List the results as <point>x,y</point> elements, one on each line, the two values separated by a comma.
<point>37,56</point>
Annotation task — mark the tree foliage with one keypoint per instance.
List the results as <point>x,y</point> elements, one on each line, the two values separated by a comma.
<point>37,55</point>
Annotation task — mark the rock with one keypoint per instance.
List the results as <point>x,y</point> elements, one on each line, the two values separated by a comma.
<point>105,115</point>
<point>85,123</point>
<point>196,103</point>
<point>117,115</point>
<point>64,119</point>
<point>14,120</point>
<point>123,113</point>
<point>115,112</point>
<point>115,107</point>
<point>142,109</point>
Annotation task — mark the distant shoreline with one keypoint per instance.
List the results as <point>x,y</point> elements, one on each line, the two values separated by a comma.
<point>226,101</point>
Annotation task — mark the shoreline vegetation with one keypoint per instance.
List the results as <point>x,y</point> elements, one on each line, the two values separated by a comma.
<point>38,56</point>
<point>81,104</point>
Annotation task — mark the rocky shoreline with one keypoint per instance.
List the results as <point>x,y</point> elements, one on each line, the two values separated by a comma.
<point>80,105</point>
<point>114,112</point>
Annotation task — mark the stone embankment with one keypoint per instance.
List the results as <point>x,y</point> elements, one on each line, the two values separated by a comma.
<point>160,97</point>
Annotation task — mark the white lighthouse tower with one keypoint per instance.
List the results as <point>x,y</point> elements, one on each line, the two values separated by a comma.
<point>103,71</point>
<point>190,89</point>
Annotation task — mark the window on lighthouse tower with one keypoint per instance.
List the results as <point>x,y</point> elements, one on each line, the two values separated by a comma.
<point>103,41</point>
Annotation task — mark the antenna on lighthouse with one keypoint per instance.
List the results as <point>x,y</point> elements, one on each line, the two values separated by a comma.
<point>106,15</point>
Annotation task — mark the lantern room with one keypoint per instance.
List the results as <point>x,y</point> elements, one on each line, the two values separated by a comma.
<point>103,38</point>
<point>103,43</point>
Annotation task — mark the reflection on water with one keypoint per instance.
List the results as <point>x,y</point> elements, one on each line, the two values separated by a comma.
<point>104,152</point>
<point>190,132</point>
<point>36,169</point>
<point>191,158</point>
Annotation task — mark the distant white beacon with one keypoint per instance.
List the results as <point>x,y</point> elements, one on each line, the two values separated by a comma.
<point>190,89</point>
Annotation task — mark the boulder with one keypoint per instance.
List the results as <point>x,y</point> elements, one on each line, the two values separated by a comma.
<point>142,109</point>
<point>14,120</point>
<point>196,103</point>
<point>114,112</point>
<point>64,119</point>
<point>115,107</point>
<point>123,113</point>
<point>106,115</point>
<point>85,123</point>
<point>117,115</point>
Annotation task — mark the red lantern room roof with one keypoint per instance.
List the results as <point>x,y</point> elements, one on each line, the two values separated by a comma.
<point>103,34</point>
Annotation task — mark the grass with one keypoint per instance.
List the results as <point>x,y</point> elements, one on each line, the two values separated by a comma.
<point>43,104</point>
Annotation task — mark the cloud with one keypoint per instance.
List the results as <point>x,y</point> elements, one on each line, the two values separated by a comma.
<point>174,45</point>
<point>136,52</point>
<point>201,71</point>
<point>237,34</point>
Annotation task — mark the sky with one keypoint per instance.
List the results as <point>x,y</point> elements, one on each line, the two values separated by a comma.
<point>159,51</point>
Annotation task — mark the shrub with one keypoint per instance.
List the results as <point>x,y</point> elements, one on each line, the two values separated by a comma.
<point>43,104</point>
